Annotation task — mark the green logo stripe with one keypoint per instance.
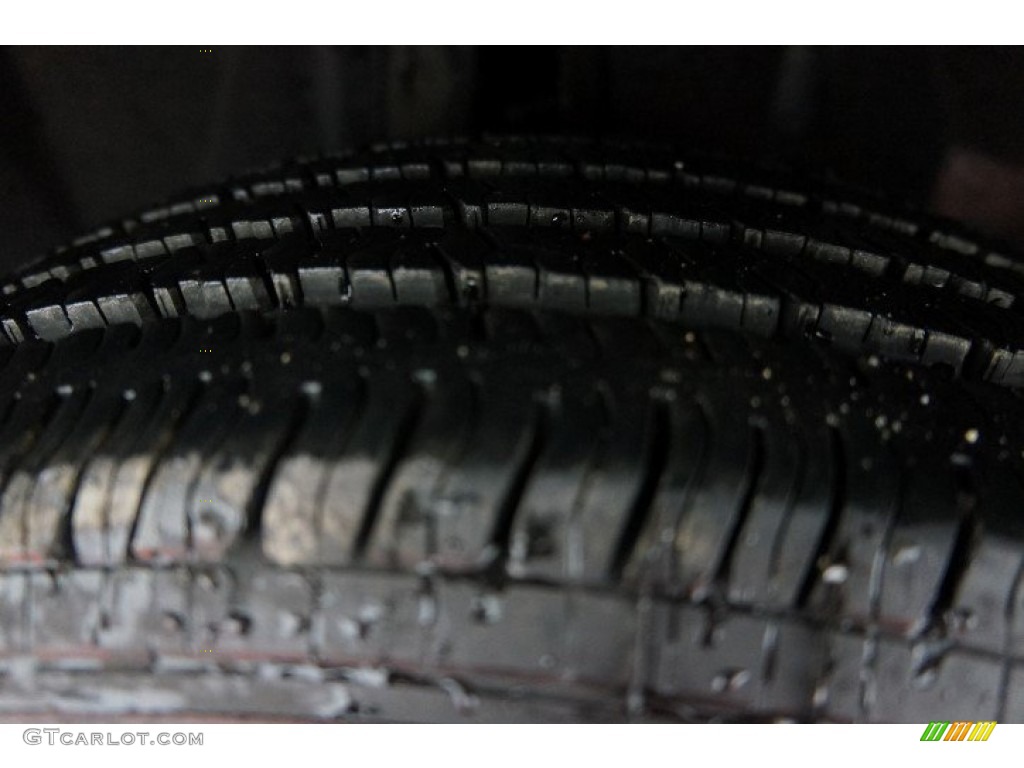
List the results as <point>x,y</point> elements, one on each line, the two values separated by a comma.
<point>934,731</point>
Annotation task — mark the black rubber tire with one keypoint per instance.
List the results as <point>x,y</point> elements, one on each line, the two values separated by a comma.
<point>514,430</point>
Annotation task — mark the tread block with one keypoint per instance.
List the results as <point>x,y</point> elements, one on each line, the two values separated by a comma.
<point>294,508</point>
<point>14,590</point>
<point>269,616</point>
<point>324,280</point>
<point>418,277</point>
<point>512,278</point>
<point>741,662</point>
<point>49,323</point>
<point>898,693</point>
<point>754,572</point>
<point>205,296</point>
<point>405,535</point>
<point>58,481</point>
<point>815,500</point>
<point>103,510</point>
<point>1014,706</point>
<point>847,568</point>
<point>369,273</point>
<point>162,530</point>
<point>978,614</point>
<point>146,611</point>
<point>684,440</point>
<point>17,544</point>
<point>372,620</point>
<point>613,488</point>
<point>533,631</point>
<point>720,503</point>
<point>355,483</point>
<point>224,496</point>
<point>542,543</point>
<point>66,612</point>
<point>921,549</point>
<point>468,508</point>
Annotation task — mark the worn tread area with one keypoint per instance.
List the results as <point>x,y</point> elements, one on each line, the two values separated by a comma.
<point>501,514</point>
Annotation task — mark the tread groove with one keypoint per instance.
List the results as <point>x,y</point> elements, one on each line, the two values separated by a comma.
<point>967,535</point>
<point>756,465</point>
<point>524,464</point>
<point>257,502</point>
<point>163,444</point>
<point>67,539</point>
<point>404,435</point>
<point>837,502</point>
<point>656,453</point>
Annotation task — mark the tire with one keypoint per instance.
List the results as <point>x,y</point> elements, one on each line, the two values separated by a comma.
<point>514,430</point>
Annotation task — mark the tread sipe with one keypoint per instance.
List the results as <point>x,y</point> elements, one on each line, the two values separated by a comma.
<point>514,430</point>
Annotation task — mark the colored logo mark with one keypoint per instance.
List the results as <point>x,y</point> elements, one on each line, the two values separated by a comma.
<point>958,731</point>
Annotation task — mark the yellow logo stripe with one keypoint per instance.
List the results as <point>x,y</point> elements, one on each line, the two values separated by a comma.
<point>982,730</point>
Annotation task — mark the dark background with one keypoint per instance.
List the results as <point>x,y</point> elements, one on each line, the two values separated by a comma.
<point>87,134</point>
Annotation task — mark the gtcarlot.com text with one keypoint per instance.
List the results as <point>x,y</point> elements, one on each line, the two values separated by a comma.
<point>61,737</point>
